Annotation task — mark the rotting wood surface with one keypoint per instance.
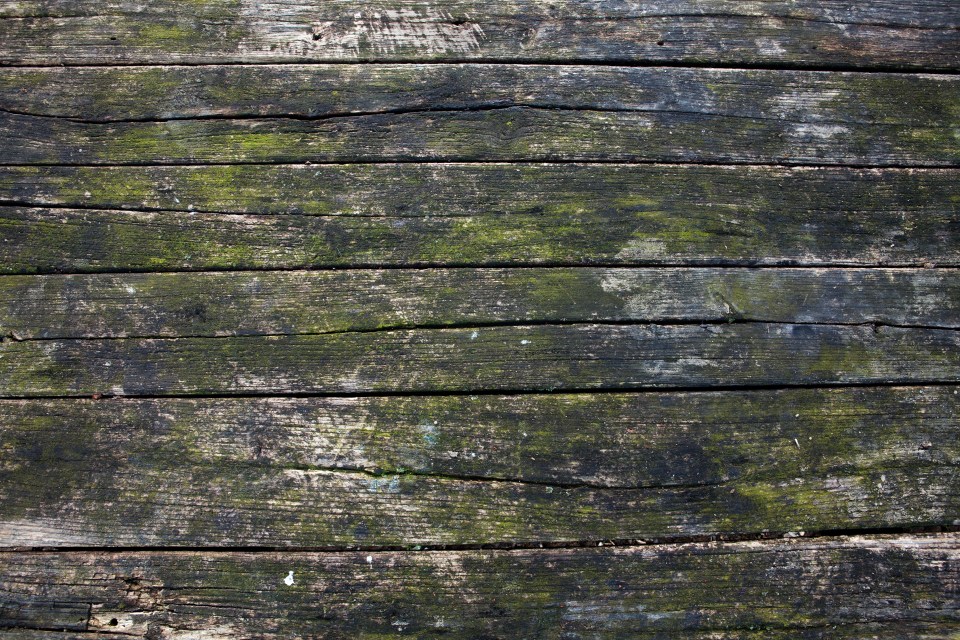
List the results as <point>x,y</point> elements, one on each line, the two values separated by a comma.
<point>479,320</point>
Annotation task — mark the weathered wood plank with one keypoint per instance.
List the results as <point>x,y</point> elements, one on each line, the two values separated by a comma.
<point>767,199</point>
<point>298,302</point>
<point>878,33</point>
<point>799,99</point>
<point>902,586</point>
<point>475,215</point>
<point>498,358</point>
<point>450,114</point>
<point>489,469</point>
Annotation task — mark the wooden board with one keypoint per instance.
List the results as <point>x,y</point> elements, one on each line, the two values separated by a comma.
<point>875,33</point>
<point>494,114</point>
<point>903,586</point>
<point>297,216</point>
<point>498,358</point>
<point>312,302</point>
<point>486,469</point>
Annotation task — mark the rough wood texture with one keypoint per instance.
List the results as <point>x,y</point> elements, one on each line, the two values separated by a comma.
<point>904,586</point>
<point>475,470</point>
<point>298,302</point>
<point>407,215</point>
<point>810,99</point>
<point>918,34</point>
<point>773,202</point>
<point>498,358</point>
<point>452,114</point>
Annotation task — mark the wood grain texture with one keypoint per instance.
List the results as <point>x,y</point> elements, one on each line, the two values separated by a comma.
<point>498,358</point>
<point>118,94</point>
<point>769,200</point>
<point>877,33</point>
<point>475,470</point>
<point>415,113</point>
<point>297,216</point>
<point>300,302</point>
<point>903,586</point>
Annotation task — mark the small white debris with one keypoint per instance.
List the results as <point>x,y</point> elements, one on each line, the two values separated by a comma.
<point>524,342</point>
<point>289,579</point>
<point>87,194</point>
<point>797,443</point>
<point>370,560</point>
<point>473,336</point>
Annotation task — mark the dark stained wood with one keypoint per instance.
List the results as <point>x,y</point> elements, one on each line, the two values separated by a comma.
<point>395,113</point>
<point>299,302</point>
<point>498,358</point>
<point>900,586</point>
<point>475,470</point>
<point>875,33</point>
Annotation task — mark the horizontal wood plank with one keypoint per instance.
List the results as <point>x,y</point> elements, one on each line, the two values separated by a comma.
<point>901,586</point>
<point>473,215</point>
<point>769,199</point>
<point>301,302</point>
<point>798,98</point>
<point>475,470</point>
<point>498,358</point>
<point>876,33</point>
<point>496,113</point>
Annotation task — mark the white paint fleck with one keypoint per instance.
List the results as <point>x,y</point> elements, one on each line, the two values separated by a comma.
<point>474,335</point>
<point>289,579</point>
<point>369,559</point>
<point>819,131</point>
<point>769,47</point>
<point>86,194</point>
<point>524,342</point>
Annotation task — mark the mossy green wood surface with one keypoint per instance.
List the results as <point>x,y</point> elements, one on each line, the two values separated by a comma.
<point>875,33</point>
<point>475,469</point>
<point>450,114</point>
<point>527,328</point>
<point>499,214</point>
<point>903,586</point>
<point>772,203</point>
<point>505,358</point>
<point>310,302</point>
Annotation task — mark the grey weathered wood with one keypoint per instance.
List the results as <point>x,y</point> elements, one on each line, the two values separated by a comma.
<point>391,113</point>
<point>474,215</point>
<point>475,470</point>
<point>297,302</point>
<point>498,358</point>
<point>892,586</point>
<point>876,33</point>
